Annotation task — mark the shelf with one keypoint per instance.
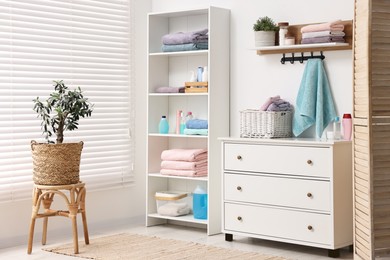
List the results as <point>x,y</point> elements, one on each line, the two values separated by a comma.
<point>332,46</point>
<point>177,94</point>
<point>186,218</point>
<point>295,31</point>
<point>158,175</point>
<point>180,53</point>
<point>178,135</point>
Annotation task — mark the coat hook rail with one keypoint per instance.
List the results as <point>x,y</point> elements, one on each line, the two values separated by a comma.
<point>300,58</point>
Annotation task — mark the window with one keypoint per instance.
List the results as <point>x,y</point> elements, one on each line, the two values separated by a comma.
<point>85,43</point>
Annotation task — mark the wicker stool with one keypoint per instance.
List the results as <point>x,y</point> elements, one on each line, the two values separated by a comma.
<point>75,204</point>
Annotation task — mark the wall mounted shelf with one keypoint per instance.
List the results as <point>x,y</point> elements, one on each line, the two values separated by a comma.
<point>295,31</point>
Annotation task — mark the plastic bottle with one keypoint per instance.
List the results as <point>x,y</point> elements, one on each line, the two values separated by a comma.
<point>199,203</point>
<point>182,123</point>
<point>336,128</point>
<point>189,116</point>
<point>200,71</point>
<point>283,29</point>
<point>193,76</point>
<point>347,126</point>
<point>178,120</point>
<point>163,126</point>
<point>205,74</point>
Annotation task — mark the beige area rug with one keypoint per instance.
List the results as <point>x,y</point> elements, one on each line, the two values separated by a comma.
<point>134,246</point>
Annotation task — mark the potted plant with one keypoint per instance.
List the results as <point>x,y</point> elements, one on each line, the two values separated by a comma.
<point>265,29</point>
<point>59,163</point>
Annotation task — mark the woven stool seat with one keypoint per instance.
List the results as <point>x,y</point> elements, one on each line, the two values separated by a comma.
<point>74,196</point>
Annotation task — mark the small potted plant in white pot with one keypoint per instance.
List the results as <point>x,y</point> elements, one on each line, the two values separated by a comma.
<point>59,163</point>
<point>265,29</point>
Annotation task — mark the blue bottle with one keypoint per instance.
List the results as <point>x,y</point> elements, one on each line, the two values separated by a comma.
<point>199,203</point>
<point>163,127</point>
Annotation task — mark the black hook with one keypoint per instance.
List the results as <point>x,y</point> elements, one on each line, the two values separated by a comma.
<point>292,58</point>
<point>283,59</point>
<point>301,60</point>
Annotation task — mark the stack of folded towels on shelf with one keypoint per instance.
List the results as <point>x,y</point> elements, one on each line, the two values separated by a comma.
<point>197,127</point>
<point>184,162</point>
<point>170,89</point>
<point>323,33</point>
<point>276,104</point>
<point>188,41</point>
<point>174,209</point>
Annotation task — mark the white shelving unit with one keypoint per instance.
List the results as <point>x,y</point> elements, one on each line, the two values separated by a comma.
<point>173,69</point>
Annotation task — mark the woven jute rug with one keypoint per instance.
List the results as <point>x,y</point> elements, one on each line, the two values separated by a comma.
<point>134,246</point>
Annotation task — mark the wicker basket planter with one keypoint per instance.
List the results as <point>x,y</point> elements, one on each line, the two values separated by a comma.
<point>56,164</point>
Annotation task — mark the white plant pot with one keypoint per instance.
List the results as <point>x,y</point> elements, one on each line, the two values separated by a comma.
<point>264,38</point>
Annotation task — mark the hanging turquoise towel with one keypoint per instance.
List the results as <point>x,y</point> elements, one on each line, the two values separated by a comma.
<point>314,101</point>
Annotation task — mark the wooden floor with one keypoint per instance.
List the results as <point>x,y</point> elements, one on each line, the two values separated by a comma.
<point>182,233</point>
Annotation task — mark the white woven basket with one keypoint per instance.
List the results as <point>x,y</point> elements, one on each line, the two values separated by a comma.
<point>265,124</point>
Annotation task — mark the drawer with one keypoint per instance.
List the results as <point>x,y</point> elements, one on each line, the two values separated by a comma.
<point>276,222</point>
<point>289,192</point>
<point>296,160</point>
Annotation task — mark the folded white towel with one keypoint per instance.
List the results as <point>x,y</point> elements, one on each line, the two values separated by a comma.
<point>173,209</point>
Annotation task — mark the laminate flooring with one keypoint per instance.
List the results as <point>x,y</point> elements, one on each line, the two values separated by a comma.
<point>286,250</point>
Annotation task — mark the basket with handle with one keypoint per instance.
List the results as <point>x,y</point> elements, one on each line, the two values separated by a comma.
<point>56,164</point>
<point>265,124</point>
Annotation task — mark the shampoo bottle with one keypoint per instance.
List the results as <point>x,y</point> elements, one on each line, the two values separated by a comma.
<point>178,120</point>
<point>347,126</point>
<point>163,127</point>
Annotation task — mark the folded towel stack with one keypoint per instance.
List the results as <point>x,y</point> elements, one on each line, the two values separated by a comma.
<point>174,209</point>
<point>323,33</point>
<point>184,162</point>
<point>196,127</point>
<point>276,104</point>
<point>189,41</point>
<point>170,89</point>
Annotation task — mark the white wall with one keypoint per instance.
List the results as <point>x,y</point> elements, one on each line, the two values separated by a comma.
<point>106,208</point>
<point>254,78</point>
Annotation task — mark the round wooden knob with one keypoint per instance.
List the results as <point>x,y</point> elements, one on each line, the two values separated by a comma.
<point>239,157</point>
<point>309,227</point>
<point>309,162</point>
<point>239,218</point>
<point>239,188</point>
<point>309,195</point>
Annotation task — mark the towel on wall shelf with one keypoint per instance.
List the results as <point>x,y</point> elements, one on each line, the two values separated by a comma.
<point>314,103</point>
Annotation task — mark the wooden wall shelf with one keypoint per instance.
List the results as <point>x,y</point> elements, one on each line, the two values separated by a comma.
<point>295,31</point>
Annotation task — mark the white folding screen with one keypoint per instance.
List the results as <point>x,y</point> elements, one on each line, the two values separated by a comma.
<point>86,43</point>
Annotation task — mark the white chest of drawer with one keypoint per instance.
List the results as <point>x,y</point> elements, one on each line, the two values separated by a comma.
<point>290,190</point>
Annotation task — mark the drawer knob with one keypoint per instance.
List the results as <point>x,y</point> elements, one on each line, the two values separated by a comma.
<point>239,218</point>
<point>239,188</point>
<point>239,157</point>
<point>309,195</point>
<point>310,162</point>
<point>309,227</point>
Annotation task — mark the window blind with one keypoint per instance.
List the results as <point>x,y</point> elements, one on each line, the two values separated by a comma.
<point>85,43</point>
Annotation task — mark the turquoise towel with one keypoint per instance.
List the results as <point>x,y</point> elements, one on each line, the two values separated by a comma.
<point>314,101</point>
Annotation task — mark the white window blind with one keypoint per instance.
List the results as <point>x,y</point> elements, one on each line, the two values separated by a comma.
<point>85,43</point>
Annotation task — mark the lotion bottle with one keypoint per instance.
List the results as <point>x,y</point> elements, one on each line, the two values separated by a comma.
<point>347,126</point>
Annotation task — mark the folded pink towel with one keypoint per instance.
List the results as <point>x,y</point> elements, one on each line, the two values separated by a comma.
<point>322,34</point>
<point>330,26</point>
<point>187,173</point>
<point>181,165</point>
<point>189,155</point>
<point>268,102</point>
